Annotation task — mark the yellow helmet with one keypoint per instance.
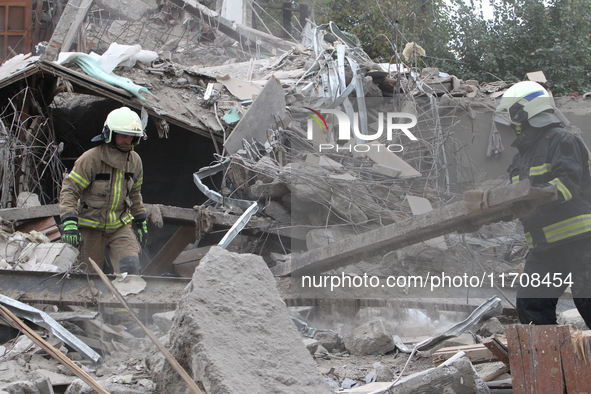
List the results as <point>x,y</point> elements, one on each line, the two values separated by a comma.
<point>524,100</point>
<point>122,121</point>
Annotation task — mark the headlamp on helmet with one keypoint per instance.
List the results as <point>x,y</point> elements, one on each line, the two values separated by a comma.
<point>122,121</point>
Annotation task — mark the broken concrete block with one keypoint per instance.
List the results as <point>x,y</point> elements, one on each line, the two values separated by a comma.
<point>491,327</point>
<point>266,190</point>
<point>10,371</point>
<point>321,237</point>
<point>374,337</point>
<point>329,339</point>
<point>232,333</point>
<point>311,344</point>
<point>55,379</point>
<point>458,377</point>
<point>22,388</point>
<point>384,374</point>
<point>276,211</point>
<point>79,387</point>
<point>27,200</point>
<point>44,386</point>
<point>163,320</point>
<point>572,317</point>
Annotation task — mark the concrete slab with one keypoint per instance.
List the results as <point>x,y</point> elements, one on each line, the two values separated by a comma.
<point>232,333</point>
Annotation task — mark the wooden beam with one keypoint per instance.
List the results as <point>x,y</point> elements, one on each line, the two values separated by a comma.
<point>455,217</point>
<point>477,353</point>
<point>173,248</point>
<point>498,349</point>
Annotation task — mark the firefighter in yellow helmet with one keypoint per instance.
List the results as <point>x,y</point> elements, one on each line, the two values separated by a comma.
<point>559,233</point>
<point>101,196</point>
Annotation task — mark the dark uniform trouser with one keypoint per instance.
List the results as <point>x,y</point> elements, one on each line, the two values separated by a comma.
<point>121,243</point>
<point>537,305</point>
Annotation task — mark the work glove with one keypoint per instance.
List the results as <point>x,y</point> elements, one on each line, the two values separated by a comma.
<point>142,232</point>
<point>71,233</point>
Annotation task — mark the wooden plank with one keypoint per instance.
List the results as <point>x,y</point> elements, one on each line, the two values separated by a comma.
<point>576,369</point>
<point>477,353</point>
<point>498,349</point>
<point>53,352</point>
<point>496,374</point>
<point>527,356</point>
<point>515,359</point>
<point>546,360</point>
<point>444,220</point>
<point>169,357</point>
<point>173,248</point>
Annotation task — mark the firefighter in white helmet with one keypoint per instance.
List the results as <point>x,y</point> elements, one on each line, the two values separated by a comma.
<point>101,196</point>
<point>558,233</point>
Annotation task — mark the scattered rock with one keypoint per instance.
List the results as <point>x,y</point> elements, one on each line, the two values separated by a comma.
<point>330,340</point>
<point>311,344</point>
<point>374,337</point>
<point>491,327</point>
<point>384,374</point>
<point>22,388</point>
<point>10,371</point>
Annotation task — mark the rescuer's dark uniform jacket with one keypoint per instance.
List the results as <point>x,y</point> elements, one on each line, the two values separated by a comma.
<point>550,155</point>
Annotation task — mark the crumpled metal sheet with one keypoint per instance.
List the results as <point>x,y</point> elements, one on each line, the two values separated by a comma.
<point>492,307</point>
<point>42,319</point>
<point>250,207</point>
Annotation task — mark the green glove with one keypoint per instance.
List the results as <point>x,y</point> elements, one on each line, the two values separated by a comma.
<point>71,233</point>
<point>142,232</point>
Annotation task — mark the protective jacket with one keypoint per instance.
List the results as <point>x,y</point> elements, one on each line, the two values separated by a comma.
<point>104,189</point>
<point>550,155</point>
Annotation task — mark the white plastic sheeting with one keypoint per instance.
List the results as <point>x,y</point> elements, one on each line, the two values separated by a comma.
<point>102,66</point>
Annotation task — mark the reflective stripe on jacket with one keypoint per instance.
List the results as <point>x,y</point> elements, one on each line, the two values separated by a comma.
<point>554,156</point>
<point>104,188</point>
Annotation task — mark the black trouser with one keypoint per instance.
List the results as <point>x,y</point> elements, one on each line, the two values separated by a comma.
<point>537,305</point>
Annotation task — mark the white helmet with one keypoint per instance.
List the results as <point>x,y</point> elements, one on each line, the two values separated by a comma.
<point>122,121</point>
<point>523,101</point>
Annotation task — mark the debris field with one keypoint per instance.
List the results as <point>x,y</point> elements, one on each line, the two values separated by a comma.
<point>272,203</point>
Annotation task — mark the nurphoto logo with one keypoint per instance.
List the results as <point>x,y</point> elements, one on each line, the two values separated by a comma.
<point>392,122</point>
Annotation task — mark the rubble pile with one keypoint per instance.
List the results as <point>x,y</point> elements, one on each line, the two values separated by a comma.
<point>296,179</point>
